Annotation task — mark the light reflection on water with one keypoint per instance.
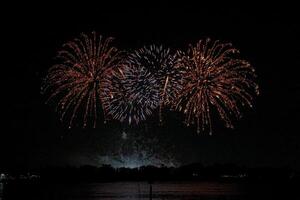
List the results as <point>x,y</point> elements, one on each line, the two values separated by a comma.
<point>140,190</point>
<point>161,191</point>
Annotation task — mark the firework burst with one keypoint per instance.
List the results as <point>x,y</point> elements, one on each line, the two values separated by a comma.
<point>217,79</point>
<point>131,93</point>
<point>74,83</point>
<point>160,62</point>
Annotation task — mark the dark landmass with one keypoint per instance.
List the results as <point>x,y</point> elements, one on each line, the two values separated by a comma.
<point>265,182</point>
<point>191,172</point>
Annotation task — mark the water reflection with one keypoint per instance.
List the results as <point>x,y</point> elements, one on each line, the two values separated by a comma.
<point>132,190</point>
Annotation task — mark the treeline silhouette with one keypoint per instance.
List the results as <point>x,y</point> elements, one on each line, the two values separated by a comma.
<point>196,171</point>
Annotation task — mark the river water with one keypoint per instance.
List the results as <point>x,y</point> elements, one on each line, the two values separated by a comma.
<point>141,191</point>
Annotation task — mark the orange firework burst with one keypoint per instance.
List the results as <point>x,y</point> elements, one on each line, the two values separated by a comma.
<point>215,78</point>
<point>74,83</point>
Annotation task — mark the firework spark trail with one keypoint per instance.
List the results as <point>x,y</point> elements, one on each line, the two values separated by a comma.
<point>149,79</point>
<point>215,78</point>
<point>131,94</point>
<point>91,72</point>
<point>160,62</point>
<point>74,82</point>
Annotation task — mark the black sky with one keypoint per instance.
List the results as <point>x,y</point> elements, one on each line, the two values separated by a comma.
<point>268,37</point>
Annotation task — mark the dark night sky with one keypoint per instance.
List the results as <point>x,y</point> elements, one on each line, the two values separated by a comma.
<point>268,37</point>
